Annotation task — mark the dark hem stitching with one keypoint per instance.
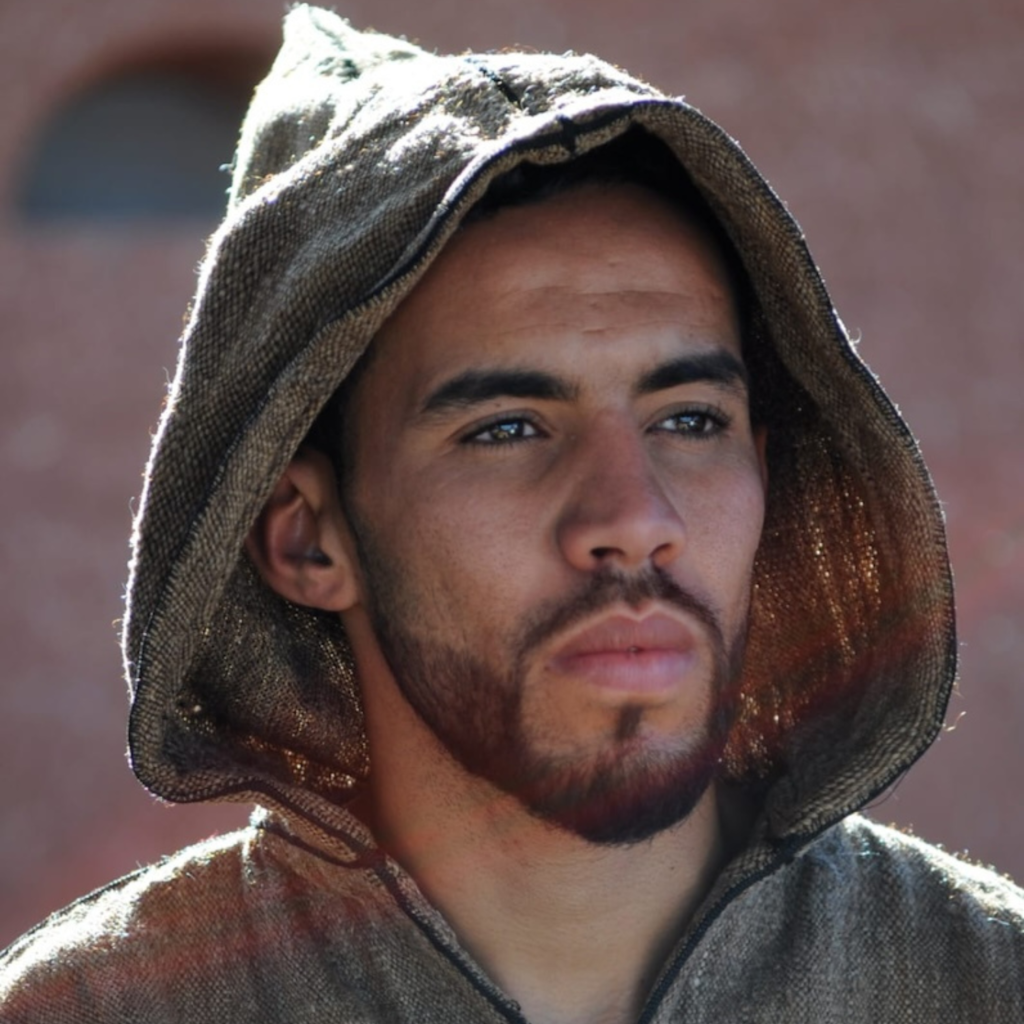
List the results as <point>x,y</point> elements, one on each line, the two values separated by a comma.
<point>508,1009</point>
<point>374,860</point>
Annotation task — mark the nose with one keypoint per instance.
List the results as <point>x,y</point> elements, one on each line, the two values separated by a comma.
<point>618,514</point>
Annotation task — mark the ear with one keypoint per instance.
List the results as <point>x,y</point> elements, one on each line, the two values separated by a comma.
<point>300,543</point>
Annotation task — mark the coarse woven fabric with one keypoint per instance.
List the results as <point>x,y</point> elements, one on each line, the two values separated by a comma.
<point>864,926</point>
<point>359,157</point>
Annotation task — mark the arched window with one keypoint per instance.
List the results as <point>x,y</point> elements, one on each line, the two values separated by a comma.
<point>151,141</point>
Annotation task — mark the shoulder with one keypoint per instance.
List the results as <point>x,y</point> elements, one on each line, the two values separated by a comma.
<point>88,958</point>
<point>251,927</point>
<point>869,924</point>
<point>878,863</point>
<point>916,924</point>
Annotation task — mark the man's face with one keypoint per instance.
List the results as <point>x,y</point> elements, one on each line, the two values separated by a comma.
<point>556,496</point>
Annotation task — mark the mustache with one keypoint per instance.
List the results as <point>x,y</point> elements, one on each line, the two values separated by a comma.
<point>609,587</point>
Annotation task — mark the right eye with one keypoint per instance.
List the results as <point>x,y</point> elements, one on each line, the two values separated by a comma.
<point>509,430</point>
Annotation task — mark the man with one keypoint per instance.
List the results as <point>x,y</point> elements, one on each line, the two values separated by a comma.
<point>524,535</point>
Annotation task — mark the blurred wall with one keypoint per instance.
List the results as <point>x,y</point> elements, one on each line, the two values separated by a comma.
<point>893,129</point>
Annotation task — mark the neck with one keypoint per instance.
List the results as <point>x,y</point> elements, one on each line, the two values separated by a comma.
<point>571,930</point>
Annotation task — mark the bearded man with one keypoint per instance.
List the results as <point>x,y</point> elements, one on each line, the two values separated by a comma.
<point>525,537</point>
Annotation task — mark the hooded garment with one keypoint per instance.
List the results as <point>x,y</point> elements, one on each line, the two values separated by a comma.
<point>358,159</point>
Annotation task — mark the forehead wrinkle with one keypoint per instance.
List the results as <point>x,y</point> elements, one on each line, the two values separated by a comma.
<point>632,298</point>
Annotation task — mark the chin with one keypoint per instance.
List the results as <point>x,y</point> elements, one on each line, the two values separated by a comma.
<point>627,799</point>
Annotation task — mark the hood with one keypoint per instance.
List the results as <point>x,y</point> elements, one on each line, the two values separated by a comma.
<point>359,157</point>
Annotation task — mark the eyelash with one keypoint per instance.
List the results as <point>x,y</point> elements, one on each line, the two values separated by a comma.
<point>475,436</point>
<point>712,421</point>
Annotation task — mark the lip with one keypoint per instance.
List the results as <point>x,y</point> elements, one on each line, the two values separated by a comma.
<point>650,655</point>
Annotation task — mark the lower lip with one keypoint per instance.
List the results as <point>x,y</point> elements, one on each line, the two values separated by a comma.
<point>650,672</point>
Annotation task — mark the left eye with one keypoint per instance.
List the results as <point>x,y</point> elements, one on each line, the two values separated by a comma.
<point>693,423</point>
<point>503,432</point>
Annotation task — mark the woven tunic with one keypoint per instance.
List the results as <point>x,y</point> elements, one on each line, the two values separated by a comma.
<point>260,927</point>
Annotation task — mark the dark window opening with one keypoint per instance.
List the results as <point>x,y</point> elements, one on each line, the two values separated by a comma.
<point>149,142</point>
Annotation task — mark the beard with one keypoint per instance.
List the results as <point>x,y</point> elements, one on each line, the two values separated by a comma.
<point>622,795</point>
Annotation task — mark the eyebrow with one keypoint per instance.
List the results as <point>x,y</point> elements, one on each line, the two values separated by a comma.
<point>719,367</point>
<point>476,386</point>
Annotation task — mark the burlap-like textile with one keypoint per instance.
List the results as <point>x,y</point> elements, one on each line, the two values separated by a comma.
<point>865,926</point>
<point>358,158</point>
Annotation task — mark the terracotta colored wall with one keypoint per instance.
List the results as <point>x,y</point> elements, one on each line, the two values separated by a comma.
<point>893,130</point>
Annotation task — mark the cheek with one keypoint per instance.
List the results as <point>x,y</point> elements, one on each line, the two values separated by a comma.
<point>462,557</point>
<point>746,515</point>
<point>724,522</point>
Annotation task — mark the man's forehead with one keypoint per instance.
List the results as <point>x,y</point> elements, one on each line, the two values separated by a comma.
<point>585,267</point>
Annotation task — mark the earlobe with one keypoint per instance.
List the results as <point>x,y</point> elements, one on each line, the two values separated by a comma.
<point>298,541</point>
